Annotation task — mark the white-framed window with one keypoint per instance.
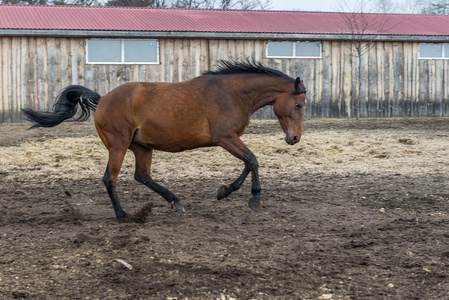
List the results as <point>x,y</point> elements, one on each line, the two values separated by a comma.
<point>433,51</point>
<point>122,51</point>
<point>290,49</point>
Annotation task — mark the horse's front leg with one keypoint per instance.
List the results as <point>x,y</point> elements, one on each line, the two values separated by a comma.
<point>226,190</point>
<point>237,148</point>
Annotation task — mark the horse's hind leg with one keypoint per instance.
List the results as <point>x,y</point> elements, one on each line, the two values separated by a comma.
<point>110,180</point>
<point>142,174</point>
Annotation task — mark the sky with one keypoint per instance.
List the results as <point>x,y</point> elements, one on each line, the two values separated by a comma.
<point>314,5</point>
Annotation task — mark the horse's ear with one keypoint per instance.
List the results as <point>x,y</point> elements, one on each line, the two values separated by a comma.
<point>297,83</point>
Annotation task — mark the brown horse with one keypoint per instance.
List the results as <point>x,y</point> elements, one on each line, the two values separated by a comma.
<point>210,110</point>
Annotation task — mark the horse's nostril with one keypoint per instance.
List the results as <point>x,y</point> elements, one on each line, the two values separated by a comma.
<point>295,139</point>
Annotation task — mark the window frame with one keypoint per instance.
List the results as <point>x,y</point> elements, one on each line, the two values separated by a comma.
<point>294,50</point>
<point>444,50</point>
<point>122,52</point>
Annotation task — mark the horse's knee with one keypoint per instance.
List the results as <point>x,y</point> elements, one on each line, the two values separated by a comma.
<point>253,163</point>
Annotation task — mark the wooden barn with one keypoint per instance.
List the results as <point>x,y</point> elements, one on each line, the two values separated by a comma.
<point>401,68</point>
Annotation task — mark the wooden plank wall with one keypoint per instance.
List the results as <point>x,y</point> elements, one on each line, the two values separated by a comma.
<point>394,82</point>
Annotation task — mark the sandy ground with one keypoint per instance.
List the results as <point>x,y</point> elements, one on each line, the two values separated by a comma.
<point>357,210</point>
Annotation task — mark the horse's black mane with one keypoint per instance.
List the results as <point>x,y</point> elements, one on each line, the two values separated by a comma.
<point>235,67</point>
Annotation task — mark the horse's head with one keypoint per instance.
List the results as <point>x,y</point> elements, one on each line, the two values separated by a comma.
<point>290,109</point>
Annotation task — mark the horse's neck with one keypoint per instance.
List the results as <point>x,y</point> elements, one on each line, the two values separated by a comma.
<point>263,93</point>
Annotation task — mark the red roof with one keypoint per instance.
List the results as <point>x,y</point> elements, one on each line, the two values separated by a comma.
<point>205,20</point>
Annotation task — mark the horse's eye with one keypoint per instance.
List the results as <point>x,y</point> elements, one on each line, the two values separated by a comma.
<point>298,105</point>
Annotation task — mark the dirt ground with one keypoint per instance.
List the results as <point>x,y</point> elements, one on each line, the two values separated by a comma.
<point>356,210</point>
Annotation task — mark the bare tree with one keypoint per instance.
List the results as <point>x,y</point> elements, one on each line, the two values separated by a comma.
<point>410,6</point>
<point>435,7</point>
<point>432,7</point>
<point>189,4</point>
<point>23,2</point>
<point>385,6</point>
<point>218,4</point>
<point>137,3</point>
<point>74,2</point>
<point>398,6</point>
<point>363,31</point>
<point>223,4</point>
<point>255,4</point>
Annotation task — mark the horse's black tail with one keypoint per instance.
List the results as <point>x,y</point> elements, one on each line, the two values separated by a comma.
<point>65,107</point>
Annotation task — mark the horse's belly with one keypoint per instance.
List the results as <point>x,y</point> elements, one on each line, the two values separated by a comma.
<point>172,142</point>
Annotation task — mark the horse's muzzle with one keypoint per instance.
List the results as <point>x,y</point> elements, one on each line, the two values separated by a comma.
<point>291,138</point>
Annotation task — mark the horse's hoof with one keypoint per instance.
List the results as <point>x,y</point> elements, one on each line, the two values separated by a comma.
<point>124,218</point>
<point>123,215</point>
<point>254,204</point>
<point>177,206</point>
<point>222,192</point>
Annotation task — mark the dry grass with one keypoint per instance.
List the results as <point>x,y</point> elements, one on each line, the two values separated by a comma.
<point>330,151</point>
